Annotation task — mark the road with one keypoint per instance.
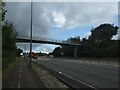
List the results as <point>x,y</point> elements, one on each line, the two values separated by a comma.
<point>96,75</point>
<point>20,76</point>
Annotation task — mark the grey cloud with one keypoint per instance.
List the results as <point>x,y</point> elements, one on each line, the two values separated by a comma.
<point>77,14</point>
<point>83,13</point>
<point>19,14</point>
<point>36,47</point>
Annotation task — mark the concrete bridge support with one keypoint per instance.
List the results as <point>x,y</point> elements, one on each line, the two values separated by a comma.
<point>75,52</point>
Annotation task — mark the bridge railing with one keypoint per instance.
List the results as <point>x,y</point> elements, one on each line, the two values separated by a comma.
<point>24,36</point>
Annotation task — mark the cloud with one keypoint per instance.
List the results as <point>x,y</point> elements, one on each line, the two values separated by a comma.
<point>20,15</point>
<point>62,15</point>
<point>59,19</point>
<point>36,47</point>
<point>119,34</point>
<point>68,15</point>
<point>87,35</point>
<point>62,0</point>
<point>115,37</point>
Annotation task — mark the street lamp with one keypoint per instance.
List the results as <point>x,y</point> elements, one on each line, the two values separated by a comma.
<point>30,39</point>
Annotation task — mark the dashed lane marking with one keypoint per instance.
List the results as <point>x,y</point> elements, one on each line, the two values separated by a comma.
<point>19,83</point>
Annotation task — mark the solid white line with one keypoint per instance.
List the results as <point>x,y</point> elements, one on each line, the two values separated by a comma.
<point>77,80</point>
<point>80,81</point>
<point>60,72</point>
<point>43,81</point>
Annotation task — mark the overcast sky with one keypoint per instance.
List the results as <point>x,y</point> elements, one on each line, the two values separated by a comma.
<point>59,20</point>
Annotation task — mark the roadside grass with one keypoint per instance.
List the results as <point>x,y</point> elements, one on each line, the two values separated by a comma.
<point>50,80</point>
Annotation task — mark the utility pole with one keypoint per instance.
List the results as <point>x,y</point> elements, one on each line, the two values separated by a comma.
<point>30,39</point>
<point>25,52</point>
<point>25,47</point>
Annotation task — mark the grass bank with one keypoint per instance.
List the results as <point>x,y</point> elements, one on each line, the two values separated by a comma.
<point>50,81</point>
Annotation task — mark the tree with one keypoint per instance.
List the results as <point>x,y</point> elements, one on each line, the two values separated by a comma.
<point>101,35</point>
<point>19,51</point>
<point>57,51</point>
<point>99,43</point>
<point>75,40</point>
<point>100,39</point>
<point>3,10</point>
<point>8,42</point>
<point>69,50</point>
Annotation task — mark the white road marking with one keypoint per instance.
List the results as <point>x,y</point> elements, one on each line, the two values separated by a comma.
<point>19,83</point>
<point>77,80</point>
<point>60,72</point>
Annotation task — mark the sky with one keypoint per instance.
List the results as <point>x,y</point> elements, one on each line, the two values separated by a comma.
<point>59,20</point>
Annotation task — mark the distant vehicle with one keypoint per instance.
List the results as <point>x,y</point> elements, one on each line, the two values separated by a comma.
<point>34,56</point>
<point>51,56</point>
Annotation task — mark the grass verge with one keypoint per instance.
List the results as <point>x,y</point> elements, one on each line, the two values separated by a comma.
<point>51,81</point>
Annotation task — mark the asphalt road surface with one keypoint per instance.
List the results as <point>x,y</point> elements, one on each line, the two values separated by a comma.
<point>95,75</point>
<point>20,76</point>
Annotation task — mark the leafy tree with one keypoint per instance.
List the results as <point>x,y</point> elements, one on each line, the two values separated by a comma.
<point>67,50</point>
<point>100,39</point>
<point>8,42</point>
<point>75,40</point>
<point>3,10</point>
<point>19,51</point>
<point>99,43</point>
<point>101,35</point>
<point>57,51</point>
<point>112,50</point>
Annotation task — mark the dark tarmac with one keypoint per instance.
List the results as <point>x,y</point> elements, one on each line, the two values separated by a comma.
<point>21,76</point>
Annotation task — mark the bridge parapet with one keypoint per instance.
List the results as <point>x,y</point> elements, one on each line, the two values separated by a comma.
<point>20,38</point>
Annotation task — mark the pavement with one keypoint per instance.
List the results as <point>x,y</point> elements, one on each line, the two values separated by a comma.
<point>96,75</point>
<point>21,76</point>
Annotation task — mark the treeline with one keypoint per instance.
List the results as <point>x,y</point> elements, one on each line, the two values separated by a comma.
<point>9,34</point>
<point>98,44</point>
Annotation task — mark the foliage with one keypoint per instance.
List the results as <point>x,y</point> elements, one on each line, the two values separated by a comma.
<point>99,43</point>
<point>57,51</point>
<point>8,42</point>
<point>65,50</point>
<point>19,51</point>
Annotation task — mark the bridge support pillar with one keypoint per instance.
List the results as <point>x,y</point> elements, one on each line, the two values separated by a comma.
<point>75,52</point>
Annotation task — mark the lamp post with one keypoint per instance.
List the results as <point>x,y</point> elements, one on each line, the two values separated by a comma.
<point>30,39</point>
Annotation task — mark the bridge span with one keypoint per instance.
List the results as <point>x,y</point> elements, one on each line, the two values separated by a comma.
<point>23,40</point>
